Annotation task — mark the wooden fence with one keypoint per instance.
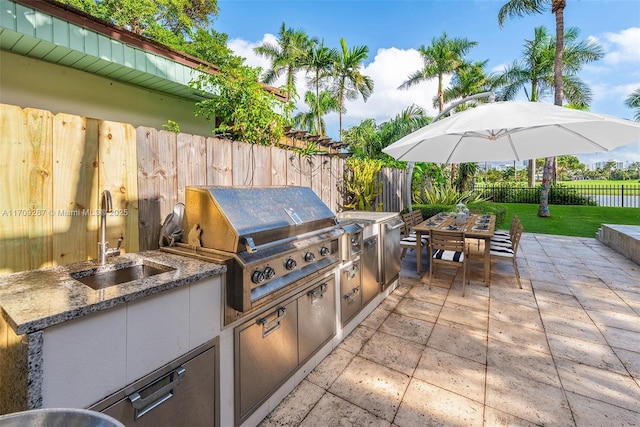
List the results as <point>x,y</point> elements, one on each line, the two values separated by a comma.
<point>53,169</point>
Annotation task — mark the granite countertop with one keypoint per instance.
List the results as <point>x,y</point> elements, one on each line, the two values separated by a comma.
<point>37,299</point>
<point>366,215</point>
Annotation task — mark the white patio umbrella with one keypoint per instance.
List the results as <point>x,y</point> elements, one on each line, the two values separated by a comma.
<point>513,130</point>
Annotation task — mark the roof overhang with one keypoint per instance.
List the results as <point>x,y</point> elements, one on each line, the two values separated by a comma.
<point>56,33</point>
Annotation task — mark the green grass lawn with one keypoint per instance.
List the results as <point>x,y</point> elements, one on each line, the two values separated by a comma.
<point>598,183</point>
<point>565,220</point>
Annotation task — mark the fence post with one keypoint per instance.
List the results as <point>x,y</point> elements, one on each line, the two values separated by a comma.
<point>622,189</point>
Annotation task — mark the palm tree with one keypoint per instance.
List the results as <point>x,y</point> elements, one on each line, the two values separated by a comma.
<point>348,81</point>
<point>287,55</point>
<point>534,72</point>
<point>633,101</point>
<point>528,7</point>
<point>319,61</point>
<point>312,120</point>
<point>368,139</point>
<point>443,56</point>
<point>468,80</point>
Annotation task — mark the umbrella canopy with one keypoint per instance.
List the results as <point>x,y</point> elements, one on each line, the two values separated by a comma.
<point>512,130</point>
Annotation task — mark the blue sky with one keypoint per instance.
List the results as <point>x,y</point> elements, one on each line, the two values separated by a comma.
<point>393,30</point>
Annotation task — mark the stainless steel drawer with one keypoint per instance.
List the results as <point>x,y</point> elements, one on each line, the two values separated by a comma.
<point>266,353</point>
<point>351,292</point>
<point>316,317</point>
<point>180,393</point>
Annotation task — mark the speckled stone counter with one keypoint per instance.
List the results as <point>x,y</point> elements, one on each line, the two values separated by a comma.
<point>32,301</point>
<point>36,299</point>
<point>366,215</point>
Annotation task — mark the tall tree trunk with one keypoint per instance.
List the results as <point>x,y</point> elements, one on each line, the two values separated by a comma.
<point>531,172</point>
<point>557,7</point>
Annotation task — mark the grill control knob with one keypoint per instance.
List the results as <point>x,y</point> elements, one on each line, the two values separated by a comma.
<point>257,276</point>
<point>309,256</point>
<point>290,264</point>
<point>269,273</point>
<point>324,251</point>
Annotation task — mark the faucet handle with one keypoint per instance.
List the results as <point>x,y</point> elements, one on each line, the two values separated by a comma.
<point>120,242</point>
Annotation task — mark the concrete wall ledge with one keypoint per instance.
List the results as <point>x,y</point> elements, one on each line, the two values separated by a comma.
<point>624,239</point>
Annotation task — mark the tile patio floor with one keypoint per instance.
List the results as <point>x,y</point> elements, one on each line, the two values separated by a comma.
<point>563,351</point>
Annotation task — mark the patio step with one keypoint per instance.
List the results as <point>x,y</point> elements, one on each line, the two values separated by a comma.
<point>624,239</point>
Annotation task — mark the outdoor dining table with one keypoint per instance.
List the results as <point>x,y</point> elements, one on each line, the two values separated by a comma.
<point>476,227</point>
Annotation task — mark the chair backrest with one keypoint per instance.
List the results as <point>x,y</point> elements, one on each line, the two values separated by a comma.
<point>447,240</point>
<point>515,221</point>
<point>416,216</point>
<point>515,237</point>
<point>407,218</point>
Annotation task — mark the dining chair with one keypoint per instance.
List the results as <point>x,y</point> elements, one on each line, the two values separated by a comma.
<point>503,237</point>
<point>409,239</point>
<point>510,251</point>
<point>448,248</point>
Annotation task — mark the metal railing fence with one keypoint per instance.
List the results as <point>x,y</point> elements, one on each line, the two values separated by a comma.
<point>623,195</point>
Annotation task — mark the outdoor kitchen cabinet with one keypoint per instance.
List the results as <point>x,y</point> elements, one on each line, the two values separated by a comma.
<point>88,358</point>
<point>271,346</point>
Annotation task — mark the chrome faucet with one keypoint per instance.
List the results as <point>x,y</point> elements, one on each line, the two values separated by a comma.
<point>103,246</point>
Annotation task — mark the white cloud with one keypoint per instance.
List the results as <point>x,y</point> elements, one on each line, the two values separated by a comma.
<point>389,69</point>
<point>245,49</point>
<point>622,47</point>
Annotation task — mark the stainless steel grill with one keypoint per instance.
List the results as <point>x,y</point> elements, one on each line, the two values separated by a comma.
<point>272,239</point>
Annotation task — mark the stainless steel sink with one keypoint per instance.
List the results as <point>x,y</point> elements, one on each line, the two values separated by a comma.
<point>100,278</point>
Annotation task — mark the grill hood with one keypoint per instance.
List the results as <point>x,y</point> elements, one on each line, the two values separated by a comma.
<point>236,219</point>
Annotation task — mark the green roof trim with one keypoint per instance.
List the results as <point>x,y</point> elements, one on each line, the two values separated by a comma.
<point>34,33</point>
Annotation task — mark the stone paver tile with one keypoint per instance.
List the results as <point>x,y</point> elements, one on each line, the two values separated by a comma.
<point>552,287</point>
<point>630,293</point>
<point>630,359</point>
<point>589,412</point>
<point>564,298</point>
<point>513,295</point>
<point>459,342</point>
<point>576,314</point>
<point>522,315</point>
<point>523,362</point>
<point>454,373</point>
<point>330,368</point>
<point>526,338</point>
<point>373,387</point>
<point>418,309</point>
<point>476,297</point>
<point>617,306</point>
<point>570,328</point>
<point>630,322</point>
<point>356,339</point>
<point>621,338</point>
<point>600,384</point>
<point>393,352</point>
<point>375,319</point>
<point>592,354</point>
<point>334,411</point>
<point>408,328</point>
<point>390,302</point>
<point>525,398</point>
<point>434,295</point>
<point>465,314</point>
<point>496,418</point>
<point>427,405</point>
<point>295,407</point>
